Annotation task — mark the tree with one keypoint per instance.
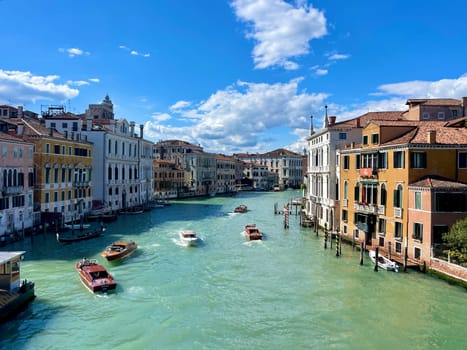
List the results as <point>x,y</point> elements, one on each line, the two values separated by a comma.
<point>456,241</point>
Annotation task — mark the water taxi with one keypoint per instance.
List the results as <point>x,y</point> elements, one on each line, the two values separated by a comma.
<point>94,276</point>
<point>119,250</point>
<point>188,237</point>
<point>252,232</point>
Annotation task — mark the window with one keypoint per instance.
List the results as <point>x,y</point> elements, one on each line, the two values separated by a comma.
<point>381,241</point>
<point>365,140</point>
<point>374,138</point>
<point>346,162</point>
<point>398,230</point>
<point>450,202</point>
<point>418,200</point>
<point>425,115</point>
<point>417,231</point>
<point>398,197</point>
<point>47,197</point>
<point>382,226</point>
<point>440,115</point>
<point>65,125</point>
<point>418,160</point>
<point>57,149</point>
<point>383,195</point>
<point>55,196</point>
<point>438,232</point>
<point>398,247</point>
<point>454,113</point>
<point>47,175</point>
<point>398,159</point>
<point>74,126</point>
<point>356,233</point>
<point>462,162</point>
<point>346,189</point>
<point>382,160</point>
<point>357,193</point>
<point>358,162</point>
<point>4,150</point>
<point>344,215</point>
<point>417,253</point>
<point>342,136</point>
<point>47,148</point>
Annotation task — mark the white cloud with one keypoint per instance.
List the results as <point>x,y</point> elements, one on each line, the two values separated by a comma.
<point>240,116</point>
<point>338,56</point>
<point>134,52</point>
<point>321,71</point>
<point>160,117</point>
<point>77,82</point>
<point>180,105</point>
<point>72,52</point>
<point>280,30</point>
<point>24,87</point>
<point>444,88</point>
<point>94,80</point>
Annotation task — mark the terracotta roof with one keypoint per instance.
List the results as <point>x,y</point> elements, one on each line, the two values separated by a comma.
<point>370,116</point>
<point>434,181</point>
<point>434,101</point>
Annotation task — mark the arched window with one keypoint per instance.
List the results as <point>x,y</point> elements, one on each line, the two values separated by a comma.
<point>398,196</point>
<point>382,199</point>
<point>116,173</point>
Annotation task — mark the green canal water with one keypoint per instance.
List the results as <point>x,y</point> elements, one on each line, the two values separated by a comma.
<point>285,292</point>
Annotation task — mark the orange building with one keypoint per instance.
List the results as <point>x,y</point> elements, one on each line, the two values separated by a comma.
<point>379,176</point>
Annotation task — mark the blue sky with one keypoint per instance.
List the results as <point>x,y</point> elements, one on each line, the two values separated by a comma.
<point>236,75</point>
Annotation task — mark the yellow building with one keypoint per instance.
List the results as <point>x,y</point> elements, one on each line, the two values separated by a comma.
<point>63,167</point>
<point>375,177</point>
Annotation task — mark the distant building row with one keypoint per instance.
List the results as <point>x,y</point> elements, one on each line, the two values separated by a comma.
<point>60,167</point>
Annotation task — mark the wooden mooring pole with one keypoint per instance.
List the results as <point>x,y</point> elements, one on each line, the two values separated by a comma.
<point>376,258</point>
<point>361,253</point>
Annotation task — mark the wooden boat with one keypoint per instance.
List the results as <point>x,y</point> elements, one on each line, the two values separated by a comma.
<point>383,262</point>
<point>15,294</point>
<point>188,237</point>
<point>77,226</point>
<point>94,276</point>
<point>242,208</point>
<point>119,250</point>
<point>82,236</point>
<point>132,211</point>
<point>252,232</point>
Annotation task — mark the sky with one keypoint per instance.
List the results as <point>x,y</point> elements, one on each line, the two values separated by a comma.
<point>231,75</point>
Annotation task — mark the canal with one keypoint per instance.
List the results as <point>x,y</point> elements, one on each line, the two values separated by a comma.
<point>285,292</point>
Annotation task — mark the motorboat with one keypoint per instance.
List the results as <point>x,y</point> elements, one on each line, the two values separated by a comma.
<point>383,262</point>
<point>188,237</point>
<point>119,250</point>
<point>94,276</point>
<point>252,232</point>
<point>242,208</point>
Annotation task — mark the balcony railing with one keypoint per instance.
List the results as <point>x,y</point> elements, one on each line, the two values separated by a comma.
<point>79,184</point>
<point>366,208</point>
<point>397,212</point>
<point>381,210</point>
<point>12,190</point>
<point>367,172</point>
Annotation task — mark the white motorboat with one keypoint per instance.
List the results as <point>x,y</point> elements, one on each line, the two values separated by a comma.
<point>383,262</point>
<point>188,237</point>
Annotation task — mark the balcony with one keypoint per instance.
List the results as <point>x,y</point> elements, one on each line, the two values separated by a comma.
<point>80,184</point>
<point>381,210</point>
<point>12,190</point>
<point>366,208</point>
<point>398,212</point>
<point>368,173</point>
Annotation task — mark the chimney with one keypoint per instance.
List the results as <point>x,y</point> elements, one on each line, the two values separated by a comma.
<point>20,111</point>
<point>20,129</point>
<point>88,123</point>
<point>352,145</point>
<point>431,137</point>
<point>332,120</point>
<point>132,129</point>
<point>464,106</point>
<point>141,126</point>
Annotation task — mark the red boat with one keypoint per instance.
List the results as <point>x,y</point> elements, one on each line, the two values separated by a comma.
<point>119,250</point>
<point>94,276</point>
<point>242,208</point>
<point>252,232</point>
